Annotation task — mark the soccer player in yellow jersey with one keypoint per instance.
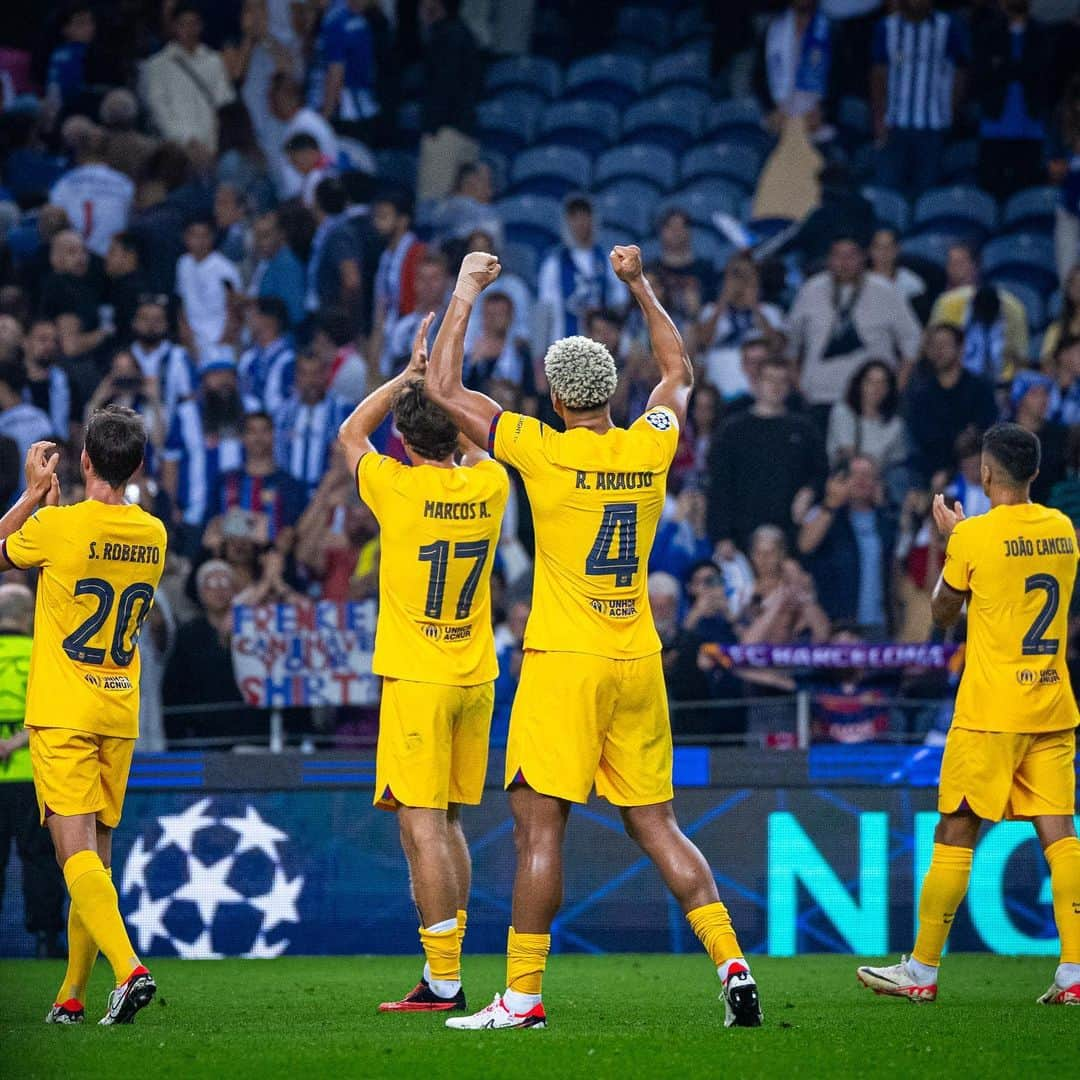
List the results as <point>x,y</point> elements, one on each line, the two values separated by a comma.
<point>434,649</point>
<point>591,707</point>
<point>100,563</point>
<point>1011,750</point>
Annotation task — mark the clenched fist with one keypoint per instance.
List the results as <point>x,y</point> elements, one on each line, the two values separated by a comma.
<point>478,271</point>
<point>626,262</point>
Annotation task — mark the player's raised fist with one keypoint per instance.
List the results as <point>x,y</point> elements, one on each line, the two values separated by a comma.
<point>626,262</point>
<point>478,271</point>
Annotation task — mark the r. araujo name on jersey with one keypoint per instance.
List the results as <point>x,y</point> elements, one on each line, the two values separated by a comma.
<point>596,502</point>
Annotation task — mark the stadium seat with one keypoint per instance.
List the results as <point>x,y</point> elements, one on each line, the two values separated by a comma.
<point>691,26</point>
<point>608,236</point>
<point>523,260</point>
<point>396,167</point>
<point>608,77</point>
<point>550,170</point>
<point>928,247</point>
<point>535,73</point>
<point>738,122</point>
<point>960,210</point>
<point>591,126</point>
<point>1031,210</point>
<point>672,119</point>
<point>649,26</point>
<point>643,161</point>
<point>630,204</point>
<point>1022,257</point>
<point>703,198</point>
<point>732,162</point>
<point>687,67</point>
<point>960,162</point>
<point>507,125</point>
<point>1031,299</point>
<point>532,220</point>
<point>890,207</point>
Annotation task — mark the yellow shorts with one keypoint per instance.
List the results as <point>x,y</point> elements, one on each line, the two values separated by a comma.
<point>580,719</point>
<point>78,772</point>
<point>433,744</point>
<point>1005,775</point>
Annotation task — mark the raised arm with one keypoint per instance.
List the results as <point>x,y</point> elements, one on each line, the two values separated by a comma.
<point>946,603</point>
<point>676,371</point>
<point>41,487</point>
<point>355,434</point>
<point>471,411</point>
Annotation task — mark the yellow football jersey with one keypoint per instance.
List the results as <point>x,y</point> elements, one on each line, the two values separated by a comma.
<point>596,503</point>
<point>1019,564</point>
<point>439,530</point>
<point>100,565</point>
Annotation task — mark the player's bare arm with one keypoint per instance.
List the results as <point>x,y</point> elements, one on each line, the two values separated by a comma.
<point>946,603</point>
<point>471,411</point>
<point>41,486</point>
<point>676,371</point>
<point>471,454</point>
<point>355,434</point>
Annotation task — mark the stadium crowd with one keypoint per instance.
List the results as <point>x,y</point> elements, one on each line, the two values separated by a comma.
<point>232,217</point>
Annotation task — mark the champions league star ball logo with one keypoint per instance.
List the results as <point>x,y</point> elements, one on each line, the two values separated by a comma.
<point>203,885</point>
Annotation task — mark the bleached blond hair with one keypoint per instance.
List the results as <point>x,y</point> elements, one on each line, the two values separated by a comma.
<point>581,372</point>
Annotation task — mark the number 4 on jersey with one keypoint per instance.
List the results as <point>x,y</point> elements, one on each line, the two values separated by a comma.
<point>620,519</point>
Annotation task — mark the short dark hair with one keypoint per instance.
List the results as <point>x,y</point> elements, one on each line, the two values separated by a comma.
<point>1066,342</point>
<point>330,196</point>
<point>578,204</point>
<point>854,393</point>
<point>949,328</point>
<point>1015,449</point>
<point>424,426</point>
<point>302,140</point>
<point>337,324</point>
<point>128,241</point>
<point>398,197</point>
<point>187,7</point>
<point>259,414</point>
<point>275,307</point>
<point>115,443</point>
<point>201,219</point>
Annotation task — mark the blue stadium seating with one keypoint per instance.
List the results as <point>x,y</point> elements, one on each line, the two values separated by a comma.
<point>738,121</point>
<point>649,26</point>
<point>536,73</point>
<point>533,220</point>
<point>960,162</point>
<point>591,126</point>
<point>703,198</point>
<point>732,162</point>
<point>507,123</point>
<point>691,25</point>
<point>672,119</point>
<point>629,203</point>
<point>928,247</point>
<point>607,77</point>
<point>960,210</point>
<point>890,207</point>
<point>688,67</point>
<point>1030,297</point>
<point>608,236</point>
<point>641,160</point>
<point>1023,257</point>
<point>521,259</point>
<point>1032,210</point>
<point>550,170</point>
<point>397,167</point>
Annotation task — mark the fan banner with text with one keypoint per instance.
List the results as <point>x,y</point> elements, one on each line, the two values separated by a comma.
<point>289,655</point>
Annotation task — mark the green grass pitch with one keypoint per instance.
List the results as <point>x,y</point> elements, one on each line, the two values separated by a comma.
<point>632,1017</point>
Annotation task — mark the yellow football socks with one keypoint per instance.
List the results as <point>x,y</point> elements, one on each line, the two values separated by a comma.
<point>97,907</point>
<point>943,889</point>
<point>442,947</point>
<point>712,924</point>
<point>462,923</point>
<point>1064,859</point>
<point>82,952</point>
<point>526,959</point>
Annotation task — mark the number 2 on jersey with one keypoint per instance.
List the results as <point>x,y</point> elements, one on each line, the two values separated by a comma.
<point>618,518</point>
<point>128,622</point>
<point>1034,643</point>
<point>438,554</point>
